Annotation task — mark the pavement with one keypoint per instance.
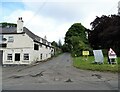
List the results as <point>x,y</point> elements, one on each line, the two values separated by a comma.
<point>56,74</point>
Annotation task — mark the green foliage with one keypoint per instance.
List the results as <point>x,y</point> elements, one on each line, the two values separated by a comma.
<point>65,48</point>
<point>54,44</point>
<point>105,33</point>
<point>80,62</point>
<point>75,39</point>
<point>59,44</point>
<point>56,48</point>
<point>5,24</point>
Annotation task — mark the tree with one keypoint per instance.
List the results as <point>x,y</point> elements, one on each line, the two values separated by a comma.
<point>59,44</point>
<point>5,24</point>
<point>75,39</point>
<point>56,48</point>
<point>54,44</point>
<point>105,33</point>
<point>65,48</point>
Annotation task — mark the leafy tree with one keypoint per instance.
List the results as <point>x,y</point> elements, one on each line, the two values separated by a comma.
<point>75,39</point>
<point>59,44</point>
<point>105,33</point>
<point>5,24</point>
<point>65,48</point>
<point>56,48</point>
<point>54,44</point>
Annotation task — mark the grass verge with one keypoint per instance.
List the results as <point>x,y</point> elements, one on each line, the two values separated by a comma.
<point>81,63</point>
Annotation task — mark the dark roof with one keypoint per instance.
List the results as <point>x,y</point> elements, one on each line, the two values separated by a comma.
<point>13,30</point>
<point>8,30</point>
<point>31,35</point>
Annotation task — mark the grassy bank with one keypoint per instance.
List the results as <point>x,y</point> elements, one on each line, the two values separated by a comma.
<point>80,62</point>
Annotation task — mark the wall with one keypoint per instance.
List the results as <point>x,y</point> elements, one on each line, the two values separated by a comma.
<point>13,51</point>
<point>20,41</point>
<point>46,53</point>
<point>24,44</point>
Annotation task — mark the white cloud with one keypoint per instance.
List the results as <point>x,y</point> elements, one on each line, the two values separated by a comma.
<point>53,18</point>
<point>40,25</point>
<point>96,1</point>
<point>74,10</point>
<point>1,10</point>
<point>56,34</point>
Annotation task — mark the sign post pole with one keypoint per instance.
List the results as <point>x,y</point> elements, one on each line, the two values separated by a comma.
<point>85,55</point>
<point>112,56</point>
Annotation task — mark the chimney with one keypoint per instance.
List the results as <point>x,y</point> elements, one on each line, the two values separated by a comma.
<point>45,37</point>
<point>19,25</point>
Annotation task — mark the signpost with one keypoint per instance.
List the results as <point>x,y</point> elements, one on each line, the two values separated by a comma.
<point>85,53</point>
<point>112,56</point>
<point>98,56</point>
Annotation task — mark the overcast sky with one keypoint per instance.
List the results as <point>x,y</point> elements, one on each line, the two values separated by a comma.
<point>54,17</point>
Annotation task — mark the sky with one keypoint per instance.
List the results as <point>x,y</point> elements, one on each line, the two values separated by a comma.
<point>53,18</point>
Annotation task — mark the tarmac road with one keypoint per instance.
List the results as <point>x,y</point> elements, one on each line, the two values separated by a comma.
<point>56,74</point>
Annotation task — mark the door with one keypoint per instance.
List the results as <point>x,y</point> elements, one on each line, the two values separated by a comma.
<point>1,57</point>
<point>17,56</point>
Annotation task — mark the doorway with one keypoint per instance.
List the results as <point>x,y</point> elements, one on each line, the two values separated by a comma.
<point>17,56</point>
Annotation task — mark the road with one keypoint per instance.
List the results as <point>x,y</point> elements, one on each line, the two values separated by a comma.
<point>56,74</point>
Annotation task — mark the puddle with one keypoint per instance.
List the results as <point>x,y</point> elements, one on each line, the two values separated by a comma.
<point>16,76</point>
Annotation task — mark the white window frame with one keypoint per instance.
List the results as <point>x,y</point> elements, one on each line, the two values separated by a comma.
<point>8,57</point>
<point>10,39</point>
<point>26,56</point>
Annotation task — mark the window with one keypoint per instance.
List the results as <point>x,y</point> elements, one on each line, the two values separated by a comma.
<point>36,47</point>
<point>26,56</point>
<point>4,45</point>
<point>10,39</point>
<point>9,57</point>
<point>41,56</point>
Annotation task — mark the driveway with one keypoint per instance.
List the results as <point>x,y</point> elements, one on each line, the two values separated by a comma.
<point>56,74</point>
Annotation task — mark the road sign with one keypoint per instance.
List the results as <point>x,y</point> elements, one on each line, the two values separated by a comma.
<point>111,54</point>
<point>85,53</point>
<point>98,56</point>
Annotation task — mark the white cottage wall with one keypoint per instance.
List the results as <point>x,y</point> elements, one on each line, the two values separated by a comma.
<point>22,44</point>
<point>21,52</point>
<point>19,41</point>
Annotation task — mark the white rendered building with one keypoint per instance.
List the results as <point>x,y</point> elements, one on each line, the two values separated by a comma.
<point>18,45</point>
